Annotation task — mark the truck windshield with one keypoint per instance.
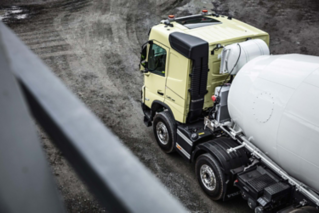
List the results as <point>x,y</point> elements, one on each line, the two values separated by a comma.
<point>196,22</point>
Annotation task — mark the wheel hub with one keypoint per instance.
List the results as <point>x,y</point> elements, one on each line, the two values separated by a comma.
<point>162,133</point>
<point>207,176</point>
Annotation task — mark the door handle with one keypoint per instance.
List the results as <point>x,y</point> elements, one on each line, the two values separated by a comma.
<point>160,92</point>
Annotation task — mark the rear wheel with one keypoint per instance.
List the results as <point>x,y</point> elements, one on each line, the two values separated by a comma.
<point>210,176</point>
<point>164,130</point>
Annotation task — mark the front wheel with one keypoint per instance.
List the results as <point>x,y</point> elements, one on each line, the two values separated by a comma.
<point>210,176</point>
<point>164,131</point>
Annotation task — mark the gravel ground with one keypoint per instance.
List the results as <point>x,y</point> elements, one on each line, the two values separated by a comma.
<point>93,46</point>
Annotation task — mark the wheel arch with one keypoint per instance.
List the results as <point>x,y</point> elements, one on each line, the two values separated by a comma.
<point>157,105</point>
<point>218,149</point>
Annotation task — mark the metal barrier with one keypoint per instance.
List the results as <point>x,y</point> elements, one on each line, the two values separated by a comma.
<point>112,173</point>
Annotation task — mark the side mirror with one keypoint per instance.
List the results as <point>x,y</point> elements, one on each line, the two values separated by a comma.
<point>143,61</point>
<point>143,52</point>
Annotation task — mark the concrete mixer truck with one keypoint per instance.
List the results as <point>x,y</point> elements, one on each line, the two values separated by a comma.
<point>247,120</point>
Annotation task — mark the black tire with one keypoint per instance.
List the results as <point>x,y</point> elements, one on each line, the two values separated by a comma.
<point>165,119</point>
<point>207,167</point>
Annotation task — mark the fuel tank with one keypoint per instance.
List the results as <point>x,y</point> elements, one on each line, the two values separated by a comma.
<point>275,101</point>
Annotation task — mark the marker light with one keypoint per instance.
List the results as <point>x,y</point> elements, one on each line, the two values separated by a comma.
<point>171,16</point>
<point>214,98</point>
<point>205,11</point>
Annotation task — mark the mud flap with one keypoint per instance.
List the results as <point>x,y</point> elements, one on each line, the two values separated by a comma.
<point>147,115</point>
<point>147,121</point>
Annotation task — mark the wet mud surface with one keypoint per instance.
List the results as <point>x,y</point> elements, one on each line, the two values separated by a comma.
<point>93,47</point>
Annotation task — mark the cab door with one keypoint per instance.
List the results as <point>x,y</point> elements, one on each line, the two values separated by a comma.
<point>155,78</point>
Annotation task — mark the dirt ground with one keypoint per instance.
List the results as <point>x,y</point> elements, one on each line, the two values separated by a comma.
<point>93,46</point>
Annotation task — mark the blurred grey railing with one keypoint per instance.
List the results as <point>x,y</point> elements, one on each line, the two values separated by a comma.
<point>112,173</point>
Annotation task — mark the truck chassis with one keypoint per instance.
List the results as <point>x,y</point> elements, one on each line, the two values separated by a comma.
<point>227,165</point>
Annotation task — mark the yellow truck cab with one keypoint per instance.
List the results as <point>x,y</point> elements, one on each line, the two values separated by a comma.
<point>180,63</point>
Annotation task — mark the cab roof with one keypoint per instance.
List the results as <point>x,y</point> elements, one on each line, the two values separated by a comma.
<point>212,28</point>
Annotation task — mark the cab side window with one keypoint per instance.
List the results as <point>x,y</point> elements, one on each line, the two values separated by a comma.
<point>157,60</point>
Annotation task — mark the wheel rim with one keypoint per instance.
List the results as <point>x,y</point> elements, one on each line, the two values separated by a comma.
<point>207,176</point>
<point>162,133</point>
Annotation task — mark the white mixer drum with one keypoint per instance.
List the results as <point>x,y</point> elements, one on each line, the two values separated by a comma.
<point>235,56</point>
<point>275,100</point>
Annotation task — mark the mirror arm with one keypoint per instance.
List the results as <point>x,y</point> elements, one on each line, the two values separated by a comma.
<point>145,71</point>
